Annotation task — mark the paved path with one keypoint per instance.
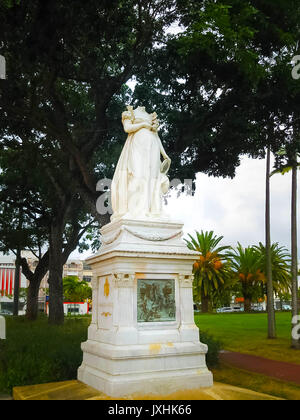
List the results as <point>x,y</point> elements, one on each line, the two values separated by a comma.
<point>279,370</point>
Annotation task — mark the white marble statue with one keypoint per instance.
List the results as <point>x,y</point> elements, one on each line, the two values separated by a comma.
<point>140,179</point>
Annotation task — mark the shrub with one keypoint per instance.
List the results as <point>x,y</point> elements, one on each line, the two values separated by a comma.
<point>214,348</point>
<point>36,352</point>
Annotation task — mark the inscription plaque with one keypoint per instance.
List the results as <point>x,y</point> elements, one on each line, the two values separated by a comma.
<point>156,301</point>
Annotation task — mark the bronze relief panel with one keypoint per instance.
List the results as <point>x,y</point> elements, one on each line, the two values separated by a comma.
<point>156,300</point>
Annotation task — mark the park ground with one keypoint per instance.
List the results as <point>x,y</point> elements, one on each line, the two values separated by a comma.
<point>36,353</point>
<point>247,334</point>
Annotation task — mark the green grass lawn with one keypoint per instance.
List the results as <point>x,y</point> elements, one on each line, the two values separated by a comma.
<point>247,333</point>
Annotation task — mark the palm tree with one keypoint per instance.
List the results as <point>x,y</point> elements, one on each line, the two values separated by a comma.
<point>247,263</point>
<point>76,290</point>
<point>280,265</point>
<point>212,270</point>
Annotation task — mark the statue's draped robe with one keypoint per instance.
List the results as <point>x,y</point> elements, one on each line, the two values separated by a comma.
<point>137,183</point>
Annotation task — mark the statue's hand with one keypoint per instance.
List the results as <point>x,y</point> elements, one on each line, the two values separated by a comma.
<point>155,125</point>
<point>166,157</point>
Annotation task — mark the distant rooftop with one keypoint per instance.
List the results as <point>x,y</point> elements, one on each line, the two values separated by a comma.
<point>7,259</point>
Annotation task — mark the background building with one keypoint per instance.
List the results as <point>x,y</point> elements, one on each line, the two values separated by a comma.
<point>7,285</point>
<point>78,268</point>
<point>7,280</point>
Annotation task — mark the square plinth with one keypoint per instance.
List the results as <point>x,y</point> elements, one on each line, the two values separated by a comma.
<point>143,337</point>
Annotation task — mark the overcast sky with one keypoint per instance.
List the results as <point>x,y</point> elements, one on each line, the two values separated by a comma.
<point>235,208</point>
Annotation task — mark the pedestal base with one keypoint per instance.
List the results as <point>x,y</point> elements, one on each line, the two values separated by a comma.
<point>120,371</point>
<point>143,338</point>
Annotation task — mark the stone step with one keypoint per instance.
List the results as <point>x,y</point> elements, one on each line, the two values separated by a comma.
<point>75,390</point>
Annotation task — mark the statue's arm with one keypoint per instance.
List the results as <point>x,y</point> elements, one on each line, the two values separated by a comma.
<point>155,127</point>
<point>132,128</point>
<point>162,150</point>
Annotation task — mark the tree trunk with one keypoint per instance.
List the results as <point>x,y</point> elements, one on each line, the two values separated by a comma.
<point>34,284</point>
<point>205,304</point>
<point>247,304</point>
<point>32,299</point>
<point>294,268</point>
<point>17,283</point>
<point>270,290</point>
<point>56,308</point>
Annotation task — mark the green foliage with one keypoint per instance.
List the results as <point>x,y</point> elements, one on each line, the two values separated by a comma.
<point>212,270</point>
<point>214,348</point>
<point>249,265</point>
<point>225,82</point>
<point>286,159</point>
<point>76,290</point>
<point>36,353</point>
<point>246,263</point>
<point>280,260</point>
<point>9,3</point>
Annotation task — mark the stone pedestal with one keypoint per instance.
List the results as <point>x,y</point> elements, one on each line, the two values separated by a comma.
<point>143,338</point>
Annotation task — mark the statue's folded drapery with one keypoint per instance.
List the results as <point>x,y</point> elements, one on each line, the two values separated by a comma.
<point>138,182</point>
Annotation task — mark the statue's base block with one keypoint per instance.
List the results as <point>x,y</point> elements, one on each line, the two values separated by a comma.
<point>143,338</point>
<point>148,369</point>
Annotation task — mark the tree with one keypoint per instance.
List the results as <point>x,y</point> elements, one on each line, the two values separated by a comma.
<point>76,290</point>
<point>21,230</point>
<point>27,186</point>
<point>73,68</point>
<point>212,270</point>
<point>280,267</point>
<point>246,263</point>
<point>65,77</point>
<point>213,79</point>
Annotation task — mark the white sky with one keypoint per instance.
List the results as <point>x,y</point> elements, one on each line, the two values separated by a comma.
<point>235,208</point>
